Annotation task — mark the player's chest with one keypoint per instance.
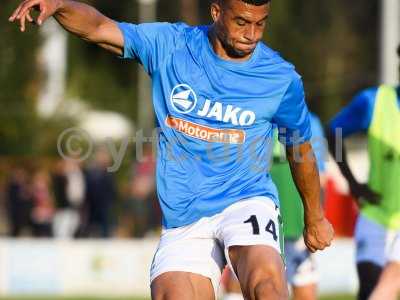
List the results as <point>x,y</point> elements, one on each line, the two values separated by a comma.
<point>229,98</point>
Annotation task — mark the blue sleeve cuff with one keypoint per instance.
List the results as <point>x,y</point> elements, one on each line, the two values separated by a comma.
<point>128,31</point>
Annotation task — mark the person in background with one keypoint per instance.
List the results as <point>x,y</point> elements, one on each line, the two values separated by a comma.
<point>136,209</point>
<point>18,202</point>
<point>43,205</point>
<point>100,195</point>
<point>375,111</point>
<point>388,287</point>
<point>69,190</point>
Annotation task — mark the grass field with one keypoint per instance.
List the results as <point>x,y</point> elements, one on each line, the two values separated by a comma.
<point>333,297</point>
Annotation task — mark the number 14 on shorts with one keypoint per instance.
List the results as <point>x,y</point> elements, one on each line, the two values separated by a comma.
<point>270,228</point>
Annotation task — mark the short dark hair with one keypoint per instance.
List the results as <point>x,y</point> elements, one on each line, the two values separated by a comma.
<point>256,2</point>
<point>252,2</point>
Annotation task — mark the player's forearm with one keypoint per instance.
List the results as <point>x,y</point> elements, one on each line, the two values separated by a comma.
<point>80,19</point>
<point>305,175</point>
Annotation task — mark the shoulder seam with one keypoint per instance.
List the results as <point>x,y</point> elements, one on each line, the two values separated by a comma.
<point>281,100</point>
<point>178,46</point>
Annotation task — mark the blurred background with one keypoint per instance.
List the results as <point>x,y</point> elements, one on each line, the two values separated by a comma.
<point>70,227</point>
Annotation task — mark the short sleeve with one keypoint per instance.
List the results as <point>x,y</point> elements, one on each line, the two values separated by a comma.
<point>151,43</point>
<point>357,116</point>
<point>292,116</point>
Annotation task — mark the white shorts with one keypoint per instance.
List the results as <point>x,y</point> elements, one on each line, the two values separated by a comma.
<point>394,252</point>
<point>202,247</point>
<point>373,241</point>
<point>300,265</point>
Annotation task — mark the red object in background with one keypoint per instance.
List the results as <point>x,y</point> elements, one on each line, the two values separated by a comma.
<point>341,210</point>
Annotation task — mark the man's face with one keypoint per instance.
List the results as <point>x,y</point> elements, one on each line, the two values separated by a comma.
<point>239,26</point>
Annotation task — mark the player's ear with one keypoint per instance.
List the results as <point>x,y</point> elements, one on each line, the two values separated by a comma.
<point>216,10</point>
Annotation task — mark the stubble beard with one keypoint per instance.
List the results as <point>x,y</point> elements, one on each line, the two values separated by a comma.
<point>228,45</point>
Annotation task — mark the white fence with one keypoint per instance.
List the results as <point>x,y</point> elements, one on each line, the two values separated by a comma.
<point>76,267</point>
<point>120,268</point>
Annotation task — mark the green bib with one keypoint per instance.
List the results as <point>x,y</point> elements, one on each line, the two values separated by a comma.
<point>384,156</point>
<point>291,206</point>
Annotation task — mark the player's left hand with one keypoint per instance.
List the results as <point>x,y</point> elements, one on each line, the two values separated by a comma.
<point>318,234</point>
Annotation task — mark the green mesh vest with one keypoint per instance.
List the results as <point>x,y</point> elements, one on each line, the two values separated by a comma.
<point>384,155</point>
<point>291,206</point>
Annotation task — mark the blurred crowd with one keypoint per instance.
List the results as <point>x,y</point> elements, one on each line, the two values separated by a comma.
<point>74,200</point>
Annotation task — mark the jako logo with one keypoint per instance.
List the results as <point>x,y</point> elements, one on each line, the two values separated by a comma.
<point>183,98</point>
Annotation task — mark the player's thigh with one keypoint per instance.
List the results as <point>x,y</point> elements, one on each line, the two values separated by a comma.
<point>251,233</point>
<point>258,264</point>
<point>193,255</point>
<point>182,286</point>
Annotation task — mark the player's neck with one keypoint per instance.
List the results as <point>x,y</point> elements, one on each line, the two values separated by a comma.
<point>220,49</point>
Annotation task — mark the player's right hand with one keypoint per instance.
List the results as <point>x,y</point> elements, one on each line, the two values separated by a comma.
<point>364,192</point>
<point>318,234</point>
<point>47,8</point>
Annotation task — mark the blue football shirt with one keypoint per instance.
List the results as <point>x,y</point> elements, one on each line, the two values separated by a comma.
<point>216,118</point>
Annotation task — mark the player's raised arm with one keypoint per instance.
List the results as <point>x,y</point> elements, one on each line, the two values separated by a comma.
<point>78,18</point>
